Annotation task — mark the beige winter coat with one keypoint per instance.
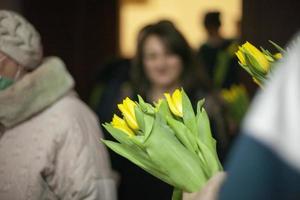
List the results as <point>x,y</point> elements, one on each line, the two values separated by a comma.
<point>50,141</point>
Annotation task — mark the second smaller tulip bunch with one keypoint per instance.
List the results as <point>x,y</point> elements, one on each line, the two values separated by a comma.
<point>258,62</point>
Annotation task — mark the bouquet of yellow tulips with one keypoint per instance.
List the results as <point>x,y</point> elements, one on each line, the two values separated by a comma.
<point>237,101</point>
<point>258,63</point>
<point>168,140</point>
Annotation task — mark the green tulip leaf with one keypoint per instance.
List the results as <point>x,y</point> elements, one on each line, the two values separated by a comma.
<point>119,135</point>
<point>279,48</point>
<point>149,121</point>
<point>183,134</point>
<point>204,126</point>
<point>177,194</point>
<point>176,161</point>
<point>164,110</point>
<point>139,115</point>
<point>146,107</point>
<point>189,118</point>
<point>138,157</point>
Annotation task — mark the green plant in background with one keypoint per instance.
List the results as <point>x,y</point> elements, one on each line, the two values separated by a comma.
<point>258,63</point>
<point>167,140</point>
<point>223,63</point>
<point>237,101</point>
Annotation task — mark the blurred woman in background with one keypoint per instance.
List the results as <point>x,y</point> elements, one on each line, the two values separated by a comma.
<point>164,61</point>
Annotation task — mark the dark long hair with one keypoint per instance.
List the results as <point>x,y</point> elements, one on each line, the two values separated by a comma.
<point>174,42</point>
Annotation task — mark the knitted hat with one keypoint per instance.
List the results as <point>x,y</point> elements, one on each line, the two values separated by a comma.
<point>19,40</point>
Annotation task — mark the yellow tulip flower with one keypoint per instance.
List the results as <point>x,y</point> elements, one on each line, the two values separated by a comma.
<point>241,56</point>
<point>127,109</point>
<point>230,95</point>
<point>175,102</point>
<point>227,95</point>
<point>119,123</point>
<point>258,56</point>
<point>258,62</point>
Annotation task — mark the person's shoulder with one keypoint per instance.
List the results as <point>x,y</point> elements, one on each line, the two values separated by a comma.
<point>71,104</point>
<point>69,110</point>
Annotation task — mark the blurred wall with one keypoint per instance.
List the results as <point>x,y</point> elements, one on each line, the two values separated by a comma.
<point>10,5</point>
<point>188,16</point>
<point>82,32</point>
<point>275,20</point>
<point>85,33</point>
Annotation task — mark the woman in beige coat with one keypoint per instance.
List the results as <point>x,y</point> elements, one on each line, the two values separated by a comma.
<point>49,139</point>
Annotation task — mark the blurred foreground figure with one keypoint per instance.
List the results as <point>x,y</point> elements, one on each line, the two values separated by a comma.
<point>265,164</point>
<point>49,139</point>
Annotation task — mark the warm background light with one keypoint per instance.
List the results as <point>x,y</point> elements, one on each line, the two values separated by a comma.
<point>186,14</point>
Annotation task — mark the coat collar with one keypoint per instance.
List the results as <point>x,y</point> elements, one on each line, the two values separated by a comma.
<point>34,92</point>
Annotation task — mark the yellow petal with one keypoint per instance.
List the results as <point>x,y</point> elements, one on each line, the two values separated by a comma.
<point>234,93</point>
<point>127,109</point>
<point>123,109</point>
<point>241,57</point>
<point>177,99</point>
<point>116,121</point>
<point>278,56</point>
<point>130,105</point>
<point>259,57</point>
<point>226,95</point>
<point>172,105</point>
<point>119,123</point>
